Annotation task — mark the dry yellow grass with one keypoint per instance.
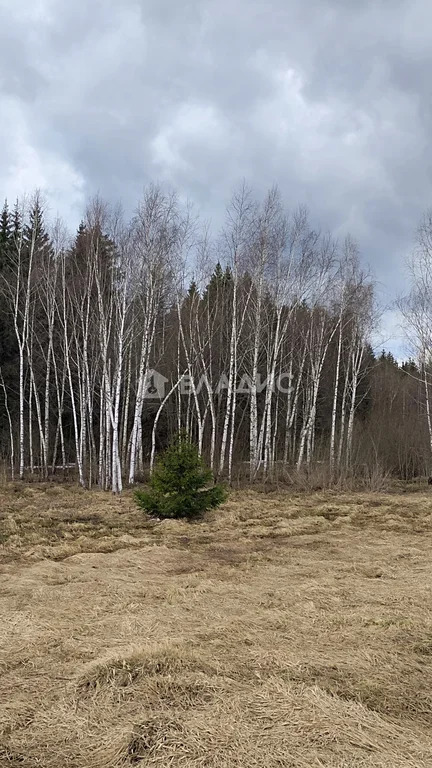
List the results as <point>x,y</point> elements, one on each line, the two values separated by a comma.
<point>283,631</point>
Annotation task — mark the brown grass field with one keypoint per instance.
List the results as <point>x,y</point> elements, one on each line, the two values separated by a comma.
<point>285,630</point>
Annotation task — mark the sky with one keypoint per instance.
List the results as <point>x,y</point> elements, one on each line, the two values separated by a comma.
<point>329,99</point>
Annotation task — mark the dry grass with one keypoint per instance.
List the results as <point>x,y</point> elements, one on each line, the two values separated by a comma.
<point>284,630</point>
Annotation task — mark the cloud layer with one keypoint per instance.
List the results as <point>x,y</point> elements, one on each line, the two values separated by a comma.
<point>330,99</point>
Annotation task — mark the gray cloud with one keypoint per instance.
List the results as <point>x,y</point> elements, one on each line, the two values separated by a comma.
<point>330,99</point>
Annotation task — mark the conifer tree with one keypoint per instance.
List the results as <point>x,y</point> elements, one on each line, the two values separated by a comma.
<point>5,235</point>
<point>179,486</point>
<point>35,236</point>
<point>8,351</point>
<point>7,338</point>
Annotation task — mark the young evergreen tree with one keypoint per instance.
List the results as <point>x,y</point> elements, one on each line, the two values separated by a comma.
<point>179,486</point>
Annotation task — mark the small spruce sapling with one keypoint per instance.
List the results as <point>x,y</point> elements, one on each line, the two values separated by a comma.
<point>180,484</point>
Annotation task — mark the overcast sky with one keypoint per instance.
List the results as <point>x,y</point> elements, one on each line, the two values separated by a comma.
<point>330,99</point>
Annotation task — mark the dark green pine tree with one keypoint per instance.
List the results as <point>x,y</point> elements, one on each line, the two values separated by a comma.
<point>215,288</point>
<point>36,240</point>
<point>81,238</point>
<point>16,224</point>
<point>77,260</point>
<point>217,304</point>
<point>36,254</point>
<point>228,277</point>
<point>8,343</point>
<point>410,366</point>
<point>180,486</point>
<point>7,333</point>
<point>5,235</point>
<point>191,297</point>
<point>193,290</point>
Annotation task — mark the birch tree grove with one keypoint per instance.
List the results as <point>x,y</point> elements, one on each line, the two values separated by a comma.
<point>256,341</point>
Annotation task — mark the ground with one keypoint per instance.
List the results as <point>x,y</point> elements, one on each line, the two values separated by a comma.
<point>285,630</point>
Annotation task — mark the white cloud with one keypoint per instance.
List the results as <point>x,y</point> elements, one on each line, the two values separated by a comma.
<point>329,99</point>
<point>192,127</point>
<point>26,167</point>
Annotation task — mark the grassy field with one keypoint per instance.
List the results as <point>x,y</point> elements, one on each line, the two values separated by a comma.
<point>282,631</point>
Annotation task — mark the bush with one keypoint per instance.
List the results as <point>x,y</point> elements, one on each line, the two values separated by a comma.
<point>179,484</point>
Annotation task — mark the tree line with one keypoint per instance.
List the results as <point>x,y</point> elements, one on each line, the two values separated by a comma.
<point>256,342</point>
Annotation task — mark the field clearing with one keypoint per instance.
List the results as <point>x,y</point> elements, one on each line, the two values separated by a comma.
<point>285,630</point>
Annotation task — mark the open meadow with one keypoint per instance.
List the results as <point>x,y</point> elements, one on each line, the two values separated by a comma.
<point>284,630</point>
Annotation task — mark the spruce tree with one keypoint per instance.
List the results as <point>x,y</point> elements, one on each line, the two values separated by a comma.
<point>8,344</point>
<point>16,224</point>
<point>35,236</point>
<point>5,235</point>
<point>180,485</point>
<point>7,335</point>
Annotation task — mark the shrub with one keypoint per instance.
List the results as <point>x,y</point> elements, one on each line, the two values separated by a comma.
<point>179,485</point>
